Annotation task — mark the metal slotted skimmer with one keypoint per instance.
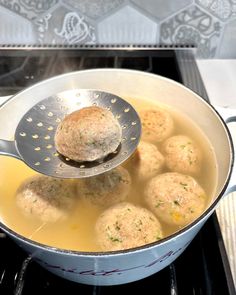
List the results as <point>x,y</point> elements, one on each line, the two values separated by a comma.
<point>34,135</point>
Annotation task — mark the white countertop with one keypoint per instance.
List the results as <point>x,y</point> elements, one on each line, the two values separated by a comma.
<point>219,77</point>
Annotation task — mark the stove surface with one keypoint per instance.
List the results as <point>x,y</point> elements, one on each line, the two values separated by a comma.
<point>202,269</point>
<point>20,69</point>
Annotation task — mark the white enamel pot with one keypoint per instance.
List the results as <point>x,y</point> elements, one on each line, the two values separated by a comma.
<point>121,267</point>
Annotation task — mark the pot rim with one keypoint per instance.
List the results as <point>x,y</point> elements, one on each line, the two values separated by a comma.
<point>165,240</point>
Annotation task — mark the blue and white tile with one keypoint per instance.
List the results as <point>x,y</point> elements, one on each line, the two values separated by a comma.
<point>29,9</point>
<point>223,9</point>
<point>15,29</point>
<point>193,26</point>
<point>161,9</point>
<point>64,26</point>
<point>94,8</point>
<point>127,26</point>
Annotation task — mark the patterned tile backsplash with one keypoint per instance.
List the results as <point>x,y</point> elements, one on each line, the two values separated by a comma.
<point>208,24</point>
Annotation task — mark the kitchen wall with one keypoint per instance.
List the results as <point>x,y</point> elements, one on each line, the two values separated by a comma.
<point>209,24</point>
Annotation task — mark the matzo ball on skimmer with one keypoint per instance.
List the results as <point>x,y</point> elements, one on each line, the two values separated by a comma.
<point>88,134</point>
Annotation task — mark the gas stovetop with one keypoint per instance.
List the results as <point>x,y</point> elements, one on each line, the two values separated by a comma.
<point>203,268</point>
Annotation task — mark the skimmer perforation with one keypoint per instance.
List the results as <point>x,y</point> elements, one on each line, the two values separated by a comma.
<point>35,133</point>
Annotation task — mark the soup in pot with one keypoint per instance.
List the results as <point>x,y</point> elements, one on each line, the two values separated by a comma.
<point>165,185</point>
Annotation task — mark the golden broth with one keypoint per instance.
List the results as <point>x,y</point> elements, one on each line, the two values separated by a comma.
<point>77,231</point>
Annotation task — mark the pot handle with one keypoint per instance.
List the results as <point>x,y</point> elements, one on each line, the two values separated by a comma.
<point>8,148</point>
<point>229,116</point>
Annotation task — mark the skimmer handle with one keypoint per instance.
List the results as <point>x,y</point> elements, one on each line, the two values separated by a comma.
<point>8,148</point>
